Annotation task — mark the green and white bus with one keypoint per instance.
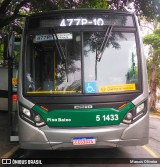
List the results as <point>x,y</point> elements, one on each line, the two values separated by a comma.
<point>82,81</point>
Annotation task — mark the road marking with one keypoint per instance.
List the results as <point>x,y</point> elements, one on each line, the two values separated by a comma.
<point>150,151</point>
<point>10,153</point>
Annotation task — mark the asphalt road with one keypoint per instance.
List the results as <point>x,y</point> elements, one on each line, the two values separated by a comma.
<point>100,157</point>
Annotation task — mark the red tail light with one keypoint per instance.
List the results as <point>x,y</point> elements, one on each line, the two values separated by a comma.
<point>14,97</point>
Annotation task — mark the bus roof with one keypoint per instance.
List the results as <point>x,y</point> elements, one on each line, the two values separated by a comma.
<point>86,10</point>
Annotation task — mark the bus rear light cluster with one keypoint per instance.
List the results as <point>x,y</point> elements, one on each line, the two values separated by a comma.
<point>31,117</point>
<point>136,113</point>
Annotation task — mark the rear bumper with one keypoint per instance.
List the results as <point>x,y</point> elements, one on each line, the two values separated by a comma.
<point>108,136</point>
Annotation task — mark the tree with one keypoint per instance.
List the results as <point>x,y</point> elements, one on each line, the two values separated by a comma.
<point>153,65</point>
<point>10,10</point>
<point>148,8</point>
<point>13,11</point>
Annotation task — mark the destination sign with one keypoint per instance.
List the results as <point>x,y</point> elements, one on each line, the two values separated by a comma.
<point>86,20</point>
<point>49,37</point>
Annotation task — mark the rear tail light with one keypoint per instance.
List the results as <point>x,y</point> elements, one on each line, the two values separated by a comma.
<point>14,97</point>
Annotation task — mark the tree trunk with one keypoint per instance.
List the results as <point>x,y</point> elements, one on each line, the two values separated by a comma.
<point>153,88</point>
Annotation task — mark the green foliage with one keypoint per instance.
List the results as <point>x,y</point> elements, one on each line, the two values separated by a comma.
<point>149,8</point>
<point>154,58</point>
<point>13,11</point>
<point>94,4</point>
<point>41,5</point>
<point>1,52</point>
<point>153,65</point>
<point>154,40</point>
<point>149,65</point>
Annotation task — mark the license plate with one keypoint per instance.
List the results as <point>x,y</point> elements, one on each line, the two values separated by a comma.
<point>84,140</point>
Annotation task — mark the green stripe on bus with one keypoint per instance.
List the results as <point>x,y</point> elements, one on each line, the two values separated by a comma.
<point>83,117</point>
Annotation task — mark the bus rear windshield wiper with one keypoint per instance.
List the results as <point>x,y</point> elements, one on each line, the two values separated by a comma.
<point>60,49</point>
<point>104,43</point>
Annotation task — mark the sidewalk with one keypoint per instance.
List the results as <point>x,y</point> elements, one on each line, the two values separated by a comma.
<point>5,145</point>
<point>157,113</point>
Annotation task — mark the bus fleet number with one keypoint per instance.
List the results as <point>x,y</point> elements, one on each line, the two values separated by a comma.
<point>112,117</point>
